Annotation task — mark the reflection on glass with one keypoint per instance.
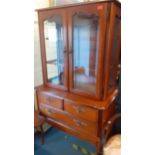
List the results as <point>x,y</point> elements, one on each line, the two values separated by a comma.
<point>53,33</point>
<point>85,41</point>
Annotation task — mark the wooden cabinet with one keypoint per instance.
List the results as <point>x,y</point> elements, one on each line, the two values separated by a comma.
<point>80,49</point>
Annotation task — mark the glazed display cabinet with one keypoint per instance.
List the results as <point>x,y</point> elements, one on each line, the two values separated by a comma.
<point>80,51</point>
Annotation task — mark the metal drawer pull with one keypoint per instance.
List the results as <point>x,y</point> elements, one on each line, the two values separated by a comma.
<point>80,123</point>
<point>78,109</point>
<point>49,99</point>
<point>50,111</point>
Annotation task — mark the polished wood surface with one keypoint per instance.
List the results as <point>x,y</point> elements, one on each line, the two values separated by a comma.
<point>54,101</point>
<point>70,120</point>
<point>83,106</point>
<point>81,111</point>
<point>97,104</point>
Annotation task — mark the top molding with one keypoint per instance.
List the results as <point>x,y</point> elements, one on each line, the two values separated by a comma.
<point>78,4</point>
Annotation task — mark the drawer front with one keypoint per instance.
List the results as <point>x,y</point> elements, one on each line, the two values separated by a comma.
<point>50,100</point>
<point>48,111</point>
<point>84,112</point>
<point>84,126</point>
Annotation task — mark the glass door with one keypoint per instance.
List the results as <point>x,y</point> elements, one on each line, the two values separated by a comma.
<point>54,50</point>
<point>86,52</point>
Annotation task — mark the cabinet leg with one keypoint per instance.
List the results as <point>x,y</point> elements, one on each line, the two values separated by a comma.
<point>42,134</point>
<point>99,150</point>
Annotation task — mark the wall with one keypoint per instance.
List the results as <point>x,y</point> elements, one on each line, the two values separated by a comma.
<point>38,80</point>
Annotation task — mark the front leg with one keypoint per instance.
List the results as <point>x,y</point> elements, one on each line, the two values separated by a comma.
<point>99,148</point>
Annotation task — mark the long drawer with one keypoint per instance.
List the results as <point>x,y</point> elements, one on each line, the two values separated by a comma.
<point>84,126</point>
<point>54,101</point>
<point>81,111</point>
<point>68,119</point>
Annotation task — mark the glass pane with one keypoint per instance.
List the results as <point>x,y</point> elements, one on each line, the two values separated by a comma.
<point>85,43</point>
<point>113,66</point>
<point>54,44</point>
<point>64,2</point>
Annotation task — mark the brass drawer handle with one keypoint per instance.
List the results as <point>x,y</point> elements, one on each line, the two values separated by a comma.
<point>78,109</point>
<point>49,111</point>
<point>49,99</point>
<point>79,123</point>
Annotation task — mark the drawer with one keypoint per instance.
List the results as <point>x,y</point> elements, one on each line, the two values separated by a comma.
<point>48,111</point>
<point>84,126</point>
<point>54,101</point>
<point>81,111</point>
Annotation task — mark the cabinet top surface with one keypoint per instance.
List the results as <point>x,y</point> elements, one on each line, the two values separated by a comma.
<point>78,4</point>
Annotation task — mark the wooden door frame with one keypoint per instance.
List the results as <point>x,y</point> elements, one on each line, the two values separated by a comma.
<point>100,10</point>
<point>42,16</point>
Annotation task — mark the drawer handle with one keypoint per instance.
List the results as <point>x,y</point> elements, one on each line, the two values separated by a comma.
<point>80,123</point>
<point>50,111</point>
<point>49,99</point>
<point>78,109</point>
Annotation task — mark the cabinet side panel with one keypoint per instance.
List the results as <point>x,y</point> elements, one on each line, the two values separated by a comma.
<point>112,51</point>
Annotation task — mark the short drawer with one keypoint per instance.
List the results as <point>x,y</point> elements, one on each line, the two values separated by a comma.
<point>48,111</point>
<point>81,111</point>
<point>50,100</point>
